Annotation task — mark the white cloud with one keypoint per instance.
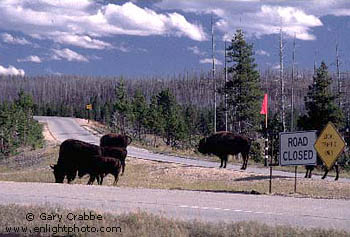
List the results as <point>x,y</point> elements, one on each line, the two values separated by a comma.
<point>8,38</point>
<point>31,58</point>
<point>259,18</point>
<point>85,23</point>
<point>262,53</point>
<point>68,55</point>
<point>210,61</point>
<point>195,50</point>
<point>11,70</point>
<point>80,41</point>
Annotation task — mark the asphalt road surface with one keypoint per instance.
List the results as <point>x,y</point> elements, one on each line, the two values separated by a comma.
<point>186,205</point>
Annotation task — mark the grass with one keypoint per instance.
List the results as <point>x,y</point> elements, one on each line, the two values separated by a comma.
<point>34,167</point>
<point>143,224</point>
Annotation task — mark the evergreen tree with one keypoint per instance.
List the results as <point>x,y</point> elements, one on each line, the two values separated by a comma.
<point>121,108</point>
<point>243,88</point>
<point>139,111</point>
<point>174,127</point>
<point>320,103</point>
<point>155,120</point>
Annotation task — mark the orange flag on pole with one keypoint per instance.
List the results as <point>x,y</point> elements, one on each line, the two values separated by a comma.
<point>264,105</point>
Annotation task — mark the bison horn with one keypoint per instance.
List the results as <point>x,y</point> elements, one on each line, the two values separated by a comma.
<point>52,167</point>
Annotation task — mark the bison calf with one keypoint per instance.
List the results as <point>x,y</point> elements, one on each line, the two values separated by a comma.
<point>101,167</point>
<point>223,144</point>
<point>119,153</point>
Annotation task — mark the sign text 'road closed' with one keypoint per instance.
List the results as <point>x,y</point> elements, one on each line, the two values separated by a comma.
<point>297,148</point>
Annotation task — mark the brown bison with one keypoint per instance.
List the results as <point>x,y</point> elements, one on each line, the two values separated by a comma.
<point>100,166</point>
<point>115,140</point>
<point>223,144</point>
<point>119,153</point>
<point>74,155</point>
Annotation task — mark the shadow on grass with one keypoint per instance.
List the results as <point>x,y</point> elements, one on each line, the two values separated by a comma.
<point>219,191</point>
<point>262,177</point>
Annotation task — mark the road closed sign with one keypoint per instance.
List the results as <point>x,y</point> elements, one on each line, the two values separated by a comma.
<point>297,148</point>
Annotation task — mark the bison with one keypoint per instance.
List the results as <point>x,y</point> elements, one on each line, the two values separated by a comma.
<point>119,153</point>
<point>99,167</point>
<point>223,144</point>
<point>74,155</point>
<point>115,140</point>
<point>310,168</point>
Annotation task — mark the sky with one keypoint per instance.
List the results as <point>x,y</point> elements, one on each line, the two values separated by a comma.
<point>163,37</point>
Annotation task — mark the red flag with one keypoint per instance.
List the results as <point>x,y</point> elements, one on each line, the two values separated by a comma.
<point>264,105</point>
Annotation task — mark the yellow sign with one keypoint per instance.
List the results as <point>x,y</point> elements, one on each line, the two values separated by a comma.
<point>89,106</point>
<point>329,145</point>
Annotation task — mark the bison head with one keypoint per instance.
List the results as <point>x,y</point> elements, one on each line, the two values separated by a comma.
<point>58,173</point>
<point>202,146</point>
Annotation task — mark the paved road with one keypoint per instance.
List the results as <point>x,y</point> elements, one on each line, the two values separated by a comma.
<point>65,128</point>
<point>206,206</point>
<point>186,205</point>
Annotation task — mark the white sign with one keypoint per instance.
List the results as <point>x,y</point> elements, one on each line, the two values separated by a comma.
<point>297,148</point>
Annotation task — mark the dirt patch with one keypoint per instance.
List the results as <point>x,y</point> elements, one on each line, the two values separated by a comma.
<point>48,136</point>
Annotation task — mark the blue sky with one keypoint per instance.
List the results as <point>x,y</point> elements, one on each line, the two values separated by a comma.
<point>163,37</point>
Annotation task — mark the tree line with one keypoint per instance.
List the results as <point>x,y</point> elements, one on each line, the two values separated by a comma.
<point>179,108</point>
<point>17,126</point>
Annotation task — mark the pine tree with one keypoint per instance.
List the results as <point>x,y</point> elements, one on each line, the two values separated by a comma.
<point>139,111</point>
<point>243,88</point>
<point>155,120</point>
<point>121,108</point>
<point>174,127</point>
<point>320,103</point>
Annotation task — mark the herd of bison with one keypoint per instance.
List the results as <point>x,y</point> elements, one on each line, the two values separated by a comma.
<point>82,158</point>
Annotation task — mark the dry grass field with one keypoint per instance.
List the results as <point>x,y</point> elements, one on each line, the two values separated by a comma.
<point>33,166</point>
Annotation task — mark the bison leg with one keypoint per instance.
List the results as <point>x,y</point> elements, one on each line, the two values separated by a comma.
<point>123,167</point>
<point>325,173</point>
<point>91,180</point>
<point>307,171</point>
<point>100,179</point>
<point>222,161</point>
<point>116,178</point>
<point>336,167</point>
<point>245,161</point>
<point>224,158</point>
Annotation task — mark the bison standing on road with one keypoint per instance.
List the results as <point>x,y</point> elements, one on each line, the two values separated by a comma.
<point>74,156</point>
<point>223,144</point>
<point>115,140</point>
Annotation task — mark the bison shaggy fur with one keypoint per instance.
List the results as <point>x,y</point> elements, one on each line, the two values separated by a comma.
<point>74,155</point>
<point>223,144</point>
<point>115,140</point>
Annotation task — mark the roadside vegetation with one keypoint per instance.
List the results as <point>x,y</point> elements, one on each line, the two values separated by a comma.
<point>144,224</point>
<point>18,129</point>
